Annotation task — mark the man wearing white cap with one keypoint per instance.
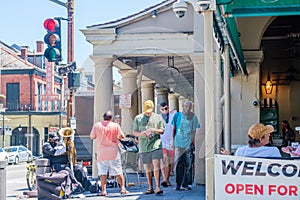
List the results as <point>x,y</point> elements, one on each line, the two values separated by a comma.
<point>148,126</point>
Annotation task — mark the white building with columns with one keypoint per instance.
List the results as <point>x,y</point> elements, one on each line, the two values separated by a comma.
<point>150,52</point>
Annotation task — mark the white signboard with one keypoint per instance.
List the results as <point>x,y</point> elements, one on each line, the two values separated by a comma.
<point>125,101</point>
<point>246,178</point>
<point>7,130</point>
<point>73,123</point>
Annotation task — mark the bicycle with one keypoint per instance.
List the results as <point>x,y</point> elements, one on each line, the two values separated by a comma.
<point>31,176</point>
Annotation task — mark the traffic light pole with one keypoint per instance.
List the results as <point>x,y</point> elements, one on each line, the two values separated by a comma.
<point>70,54</point>
<point>70,7</point>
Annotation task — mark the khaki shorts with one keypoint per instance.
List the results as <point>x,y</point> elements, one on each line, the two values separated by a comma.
<point>147,157</point>
<point>114,167</point>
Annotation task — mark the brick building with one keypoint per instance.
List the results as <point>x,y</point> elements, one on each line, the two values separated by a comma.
<point>34,97</point>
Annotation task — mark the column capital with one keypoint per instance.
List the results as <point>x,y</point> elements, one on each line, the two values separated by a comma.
<point>253,56</point>
<point>103,59</point>
<point>128,73</point>
<point>161,90</point>
<point>197,58</point>
<point>147,84</point>
<point>173,96</point>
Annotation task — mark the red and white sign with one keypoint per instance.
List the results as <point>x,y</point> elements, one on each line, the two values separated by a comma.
<point>247,178</point>
<point>125,101</point>
<point>49,78</point>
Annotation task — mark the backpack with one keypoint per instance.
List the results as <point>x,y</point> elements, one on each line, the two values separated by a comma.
<point>54,185</point>
<point>81,176</point>
<point>127,146</point>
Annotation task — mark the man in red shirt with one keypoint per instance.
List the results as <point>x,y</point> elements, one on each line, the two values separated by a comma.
<point>107,135</point>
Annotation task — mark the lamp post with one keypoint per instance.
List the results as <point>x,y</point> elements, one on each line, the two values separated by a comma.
<point>2,110</point>
<point>3,132</point>
<point>30,134</point>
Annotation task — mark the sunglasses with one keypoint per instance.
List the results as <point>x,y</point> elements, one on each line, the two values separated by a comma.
<point>164,108</point>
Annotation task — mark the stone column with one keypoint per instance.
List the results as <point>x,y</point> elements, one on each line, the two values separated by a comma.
<point>147,91</point>
<point>129,86</point>
<point>210,83</point>
<point>173,102</point>
<point>161,95</point>
<point>199,105</point>
<point>103,100</point>
<point>181,100</point>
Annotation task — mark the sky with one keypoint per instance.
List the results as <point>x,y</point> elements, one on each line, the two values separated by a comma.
<point>22,21</point>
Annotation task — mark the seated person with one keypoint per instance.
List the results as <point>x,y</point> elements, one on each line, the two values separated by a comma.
<point>259,136</point>
<point>288,134</point>
<point>294,152</point>
<point>56,152</point>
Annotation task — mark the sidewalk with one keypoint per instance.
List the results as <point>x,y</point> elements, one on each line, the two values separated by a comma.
<point>137,192</point>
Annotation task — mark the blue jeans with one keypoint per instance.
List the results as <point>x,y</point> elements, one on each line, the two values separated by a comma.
<point>183,165</point>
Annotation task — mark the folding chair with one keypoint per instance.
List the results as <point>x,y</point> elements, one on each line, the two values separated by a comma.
<point>130,160</point>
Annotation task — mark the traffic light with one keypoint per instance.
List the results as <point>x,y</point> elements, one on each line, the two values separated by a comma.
<point>53,40</point>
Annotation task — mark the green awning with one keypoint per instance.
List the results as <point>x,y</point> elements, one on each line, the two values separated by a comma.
<point>228,10</point>
<point>254,8</point>
<point>226,32</point>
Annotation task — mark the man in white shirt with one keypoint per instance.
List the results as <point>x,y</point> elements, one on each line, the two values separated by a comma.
<point>167,162</point>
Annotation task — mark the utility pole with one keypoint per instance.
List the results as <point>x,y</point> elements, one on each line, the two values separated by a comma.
<point>70,55</point>
<point>70,8</point>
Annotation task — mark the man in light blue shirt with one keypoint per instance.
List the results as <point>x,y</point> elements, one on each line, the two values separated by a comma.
<point>185,124</point>
<point>259,136</point>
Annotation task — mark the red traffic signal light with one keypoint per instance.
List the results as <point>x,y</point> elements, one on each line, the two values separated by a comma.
<point>51,24</point>
<point>52,39</point>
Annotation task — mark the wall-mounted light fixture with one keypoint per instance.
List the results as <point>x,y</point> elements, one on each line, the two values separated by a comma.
<point>268,85</point>
<point>20,128</point>
<point>153,13</point>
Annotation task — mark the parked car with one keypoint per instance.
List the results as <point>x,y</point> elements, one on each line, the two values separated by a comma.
<point>18,154</point>
<point>3,155</point>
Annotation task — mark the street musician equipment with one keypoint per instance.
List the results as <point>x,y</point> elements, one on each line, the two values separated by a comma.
<point>67,133</point>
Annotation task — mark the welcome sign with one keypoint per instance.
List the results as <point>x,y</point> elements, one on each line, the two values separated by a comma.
<point>245,178</point>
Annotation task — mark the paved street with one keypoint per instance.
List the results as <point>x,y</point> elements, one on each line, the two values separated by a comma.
<point>16,185</point>
<point>15,180</point>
